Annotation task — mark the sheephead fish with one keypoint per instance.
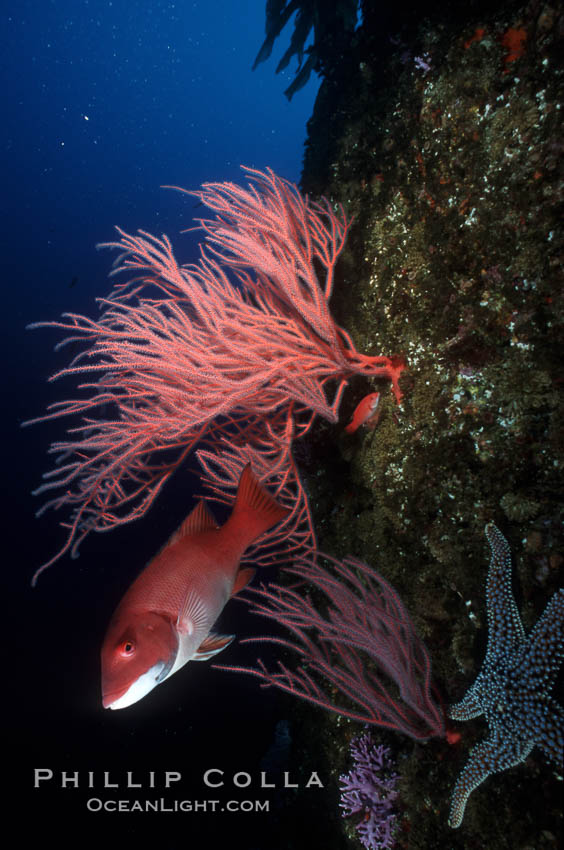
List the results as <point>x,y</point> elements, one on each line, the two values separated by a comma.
<point>166,616</point>
<point>366,413</point>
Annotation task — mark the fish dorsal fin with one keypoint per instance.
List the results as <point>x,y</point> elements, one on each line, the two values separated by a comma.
<point>200,519</point>
<point>192,613</point>
<point>211,645</point>
<point>244,576</point>
<point>255,509</point>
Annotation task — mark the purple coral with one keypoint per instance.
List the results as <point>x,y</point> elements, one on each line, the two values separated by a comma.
<point>370,790</point>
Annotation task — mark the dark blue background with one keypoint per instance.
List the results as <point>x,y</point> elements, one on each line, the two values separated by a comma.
<point>103,103</point>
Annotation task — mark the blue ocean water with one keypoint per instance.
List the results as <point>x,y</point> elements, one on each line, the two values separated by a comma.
<point>104,102</point>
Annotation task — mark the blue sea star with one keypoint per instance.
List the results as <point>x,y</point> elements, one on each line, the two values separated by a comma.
<point>513,687</point>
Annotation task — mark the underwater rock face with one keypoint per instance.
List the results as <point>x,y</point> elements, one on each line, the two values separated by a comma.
<point>444,146</point>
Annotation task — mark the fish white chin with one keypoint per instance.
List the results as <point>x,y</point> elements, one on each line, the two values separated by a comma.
<point>141,686</point>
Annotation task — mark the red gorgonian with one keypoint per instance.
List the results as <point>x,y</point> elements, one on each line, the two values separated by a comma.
<point>353,649</point>
<point>186,355</point>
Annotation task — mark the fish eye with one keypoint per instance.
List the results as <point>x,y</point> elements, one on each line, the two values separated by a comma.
<point>127,648</point>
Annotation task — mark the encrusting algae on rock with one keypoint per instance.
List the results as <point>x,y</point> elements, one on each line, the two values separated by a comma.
<point>453,261</point>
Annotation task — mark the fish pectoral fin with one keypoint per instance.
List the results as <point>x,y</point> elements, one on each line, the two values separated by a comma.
<point>211,645</point>
<point>192,613</point>
<point>244,576</point>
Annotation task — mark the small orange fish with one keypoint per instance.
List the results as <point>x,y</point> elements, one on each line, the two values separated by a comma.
<point>365,413</point>
<point>165,618</point>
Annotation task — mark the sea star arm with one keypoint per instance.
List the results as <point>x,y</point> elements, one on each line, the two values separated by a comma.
<point>490,756</point>
<point>505,628</point>
<point>551,736</point>
<point>546,641</point>
<point>468,707</point>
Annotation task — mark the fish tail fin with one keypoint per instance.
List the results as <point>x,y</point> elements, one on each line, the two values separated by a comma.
<point>255,510</point>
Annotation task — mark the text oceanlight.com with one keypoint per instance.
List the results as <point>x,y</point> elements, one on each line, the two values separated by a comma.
<point>95,804</point>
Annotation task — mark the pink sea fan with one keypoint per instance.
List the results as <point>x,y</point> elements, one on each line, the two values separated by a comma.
<point>357,653</point>
<point>180,349</point>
